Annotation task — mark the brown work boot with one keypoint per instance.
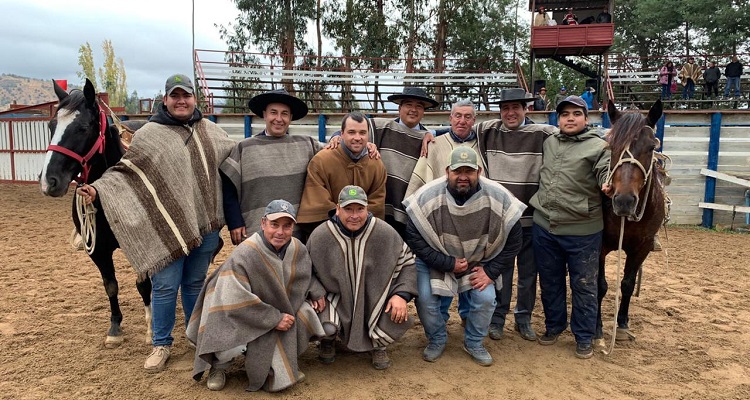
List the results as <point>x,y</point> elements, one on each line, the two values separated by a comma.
<point>380,359</point>
<point>157,359</point>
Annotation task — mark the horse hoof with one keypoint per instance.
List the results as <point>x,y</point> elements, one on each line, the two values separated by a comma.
<point>113,342</point>
<point>600,343</point>
<point>624,334</point>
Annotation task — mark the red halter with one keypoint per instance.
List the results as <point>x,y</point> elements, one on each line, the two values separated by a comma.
<point>97,148</point>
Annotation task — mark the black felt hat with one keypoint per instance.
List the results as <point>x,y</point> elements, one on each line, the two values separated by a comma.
<point>413,93</point>
<point>516,95</point>
<point>259,103</point>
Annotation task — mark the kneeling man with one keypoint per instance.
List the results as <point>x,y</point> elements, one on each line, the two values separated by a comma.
<point>256,303</point>
<point>368,273</point>
<point>465,231</point>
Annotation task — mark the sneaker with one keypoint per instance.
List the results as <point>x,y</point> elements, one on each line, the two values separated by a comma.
<point>380,359</point>
<point>157,359</point>
<point>327,353</point>
<point>496,331</point>
<point>584,350</point>
<point>301,377</point>
<point>216,379</point>
<point>480,355</point>
<point>548,339</point>
<point>432,352</point>
<point>657,244</point>
<point>524,329</point>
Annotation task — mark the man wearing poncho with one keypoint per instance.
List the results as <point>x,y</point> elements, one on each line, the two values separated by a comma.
<point>465,232</point>
<point>368,273</point>
<point>163,203</point>
<point>256,303</point>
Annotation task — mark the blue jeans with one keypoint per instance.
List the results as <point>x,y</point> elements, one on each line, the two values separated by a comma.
<point>666,92</point>
<point>688,92</point>
<point>525,287</point>
<point>480,307</point>
<point>186,274</point>
<point>733,82</point>
<point>580,254</point>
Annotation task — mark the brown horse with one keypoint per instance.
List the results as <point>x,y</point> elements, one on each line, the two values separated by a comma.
<point>637,196</point>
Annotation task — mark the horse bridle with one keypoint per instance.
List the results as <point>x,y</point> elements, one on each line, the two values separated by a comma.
<point>626,157</point>
<point>98,147</point>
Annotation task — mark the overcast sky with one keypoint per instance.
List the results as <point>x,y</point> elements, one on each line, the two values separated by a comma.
<point>40,38</point>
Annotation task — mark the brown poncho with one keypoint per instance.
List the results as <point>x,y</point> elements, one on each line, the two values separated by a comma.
<point>165,192</point>
<point>360,275</point>
<point>241,304</point>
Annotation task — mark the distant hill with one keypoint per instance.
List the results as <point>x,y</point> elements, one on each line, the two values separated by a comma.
<point>22,90</point>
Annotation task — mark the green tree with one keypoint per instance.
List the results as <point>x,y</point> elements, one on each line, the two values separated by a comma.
<point>276,26</point>
<point>86,61</point>
<point>112,74</point>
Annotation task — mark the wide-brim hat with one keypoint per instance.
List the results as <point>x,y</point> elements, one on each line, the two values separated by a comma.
<point>515,95</point>
<point>413,93</point>
<point>259,103</point>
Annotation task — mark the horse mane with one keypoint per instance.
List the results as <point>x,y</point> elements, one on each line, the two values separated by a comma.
<point>72,101</point>
<point>626,130</point>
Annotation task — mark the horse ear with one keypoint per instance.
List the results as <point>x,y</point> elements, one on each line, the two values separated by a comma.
<point>89,93</point>
<point>614,113</point>
<point>59,92</point>
<point>655,113</point>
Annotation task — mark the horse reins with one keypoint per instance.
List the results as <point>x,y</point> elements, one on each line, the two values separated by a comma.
<point>626,157</point>
<point>97,148</point>
<point>86,212</point>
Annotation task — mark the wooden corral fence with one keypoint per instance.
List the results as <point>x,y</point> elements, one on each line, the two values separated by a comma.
<point>694,140</point>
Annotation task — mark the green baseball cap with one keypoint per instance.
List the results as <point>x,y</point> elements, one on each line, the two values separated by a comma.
<point>463,156</point>
<point>352,194</point>
<point>178,81</point>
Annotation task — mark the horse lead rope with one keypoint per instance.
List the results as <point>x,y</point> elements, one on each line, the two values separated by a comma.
<point>617,291</point>
<point>87,218</point>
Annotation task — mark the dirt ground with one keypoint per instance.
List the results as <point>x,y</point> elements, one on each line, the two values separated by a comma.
<point>691,322</point>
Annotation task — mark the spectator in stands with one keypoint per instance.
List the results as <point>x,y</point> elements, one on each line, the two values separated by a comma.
<point>561,96</point>
<point>588,97</point>
<point>689,74</point>
<point>570,18</point>
<point>733,72</point>
<point>541,18</point>
<point>666,76</point>
<point>542,102</point>
<point>711,76</point>
<point>604,17</point>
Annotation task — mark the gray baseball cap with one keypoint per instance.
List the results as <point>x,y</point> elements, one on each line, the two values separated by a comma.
<point>278,209</point>
<point>574,101</point>
<point>178,81</point>
<point>352,194</point>
<point>463,156</point>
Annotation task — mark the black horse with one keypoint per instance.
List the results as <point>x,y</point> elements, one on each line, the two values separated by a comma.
<point>638,196</point>
<point>83,146</point>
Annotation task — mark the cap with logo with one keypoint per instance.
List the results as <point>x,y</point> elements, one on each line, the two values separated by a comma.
<point>178,81</point>
<point>463,156</point>
<point>278,209</point>
<point>352,194</point>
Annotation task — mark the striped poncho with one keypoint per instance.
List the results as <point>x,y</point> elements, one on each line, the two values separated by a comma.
<point>476,230</point>
<point>165,192</point>
<point>513,157</point>
<point>242,302</point>
<point>265,168</point>
<point>360,275</point>
<point>399,148</point>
